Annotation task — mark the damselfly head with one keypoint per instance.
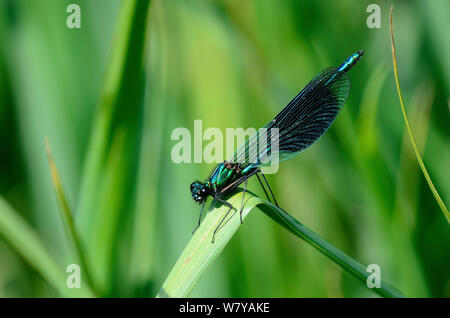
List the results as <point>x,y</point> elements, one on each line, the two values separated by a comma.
<point>199,191</point>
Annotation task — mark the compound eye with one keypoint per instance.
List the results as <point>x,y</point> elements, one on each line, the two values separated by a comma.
<point>203,190</point>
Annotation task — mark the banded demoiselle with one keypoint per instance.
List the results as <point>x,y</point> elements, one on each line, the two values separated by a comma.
<point>301,123</point>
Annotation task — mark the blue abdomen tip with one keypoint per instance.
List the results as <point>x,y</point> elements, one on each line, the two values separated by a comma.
<point>350,61</point>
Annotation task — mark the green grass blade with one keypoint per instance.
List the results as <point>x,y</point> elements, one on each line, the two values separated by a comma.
<point>408,127</point>
<point>346,262</point>
<point>200,252</point>
<point>109,177</point>
<point>67,215</point>
<point>28,244</point>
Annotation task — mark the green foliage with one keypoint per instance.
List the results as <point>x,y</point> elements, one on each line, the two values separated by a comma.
<point>109,178</point>
<point>201,251</point>
<point>413,141</point>
<point>109,95</point>
<point>29,245</point>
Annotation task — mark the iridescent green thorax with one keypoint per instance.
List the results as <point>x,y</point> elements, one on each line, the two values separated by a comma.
<point>225,173</point>
<point>222,176</point>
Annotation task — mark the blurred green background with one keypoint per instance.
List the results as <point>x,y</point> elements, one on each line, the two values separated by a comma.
<point>230,63</point>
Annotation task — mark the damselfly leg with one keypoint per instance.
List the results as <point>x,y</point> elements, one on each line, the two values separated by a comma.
<point>199,218</point>
<point>234,185</point>
<point>224,217</point>
<point>267,183</point>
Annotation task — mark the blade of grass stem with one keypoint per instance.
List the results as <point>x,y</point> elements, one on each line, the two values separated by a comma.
<point>29,245</point>
<point>200,252</point>
<point>411,137</point>
<point>67,214</point>
<point>110,171</point>
<point>339,257</point>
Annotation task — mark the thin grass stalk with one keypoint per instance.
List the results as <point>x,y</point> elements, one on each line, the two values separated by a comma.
<point>67,215</point>
<point>408,127</point>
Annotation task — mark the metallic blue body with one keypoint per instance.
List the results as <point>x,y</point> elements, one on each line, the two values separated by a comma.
<point>350,61</point>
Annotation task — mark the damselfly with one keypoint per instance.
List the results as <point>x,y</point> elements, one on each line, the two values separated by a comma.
<point>303,121</point>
